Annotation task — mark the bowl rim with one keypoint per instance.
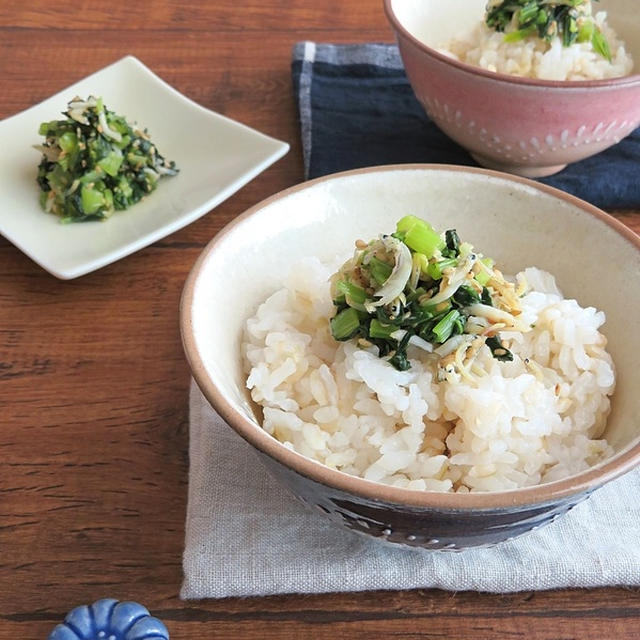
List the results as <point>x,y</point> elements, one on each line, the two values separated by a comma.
<point>400,29</point>
<point>253,433</point>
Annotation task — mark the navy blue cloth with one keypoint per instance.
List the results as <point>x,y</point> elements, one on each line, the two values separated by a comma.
<point>357,109</point>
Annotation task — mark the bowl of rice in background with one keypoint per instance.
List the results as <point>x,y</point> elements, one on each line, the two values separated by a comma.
<point>527,107</point>
<point>399,455</point>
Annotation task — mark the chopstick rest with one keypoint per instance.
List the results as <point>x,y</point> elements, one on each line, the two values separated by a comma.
<point>109,619</point>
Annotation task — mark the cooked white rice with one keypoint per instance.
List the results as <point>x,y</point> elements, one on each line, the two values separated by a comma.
<point>515,424</point>
<point>535,58</point>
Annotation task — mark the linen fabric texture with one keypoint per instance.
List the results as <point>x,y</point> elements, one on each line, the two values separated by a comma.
<point>246,535</point>
<point>357,109</point>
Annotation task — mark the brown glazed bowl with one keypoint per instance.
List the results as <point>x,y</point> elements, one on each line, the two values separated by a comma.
<point>525,126</point>
<point>519,223</point>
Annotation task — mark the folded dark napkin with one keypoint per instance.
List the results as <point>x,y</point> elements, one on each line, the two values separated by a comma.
<point>357,109</point>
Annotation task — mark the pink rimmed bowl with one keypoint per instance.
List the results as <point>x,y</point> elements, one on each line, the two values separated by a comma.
<point>519,223</point>
<point>524,126</point>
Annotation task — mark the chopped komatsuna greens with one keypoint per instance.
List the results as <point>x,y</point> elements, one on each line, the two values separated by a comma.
<point>95,162</point>
<point>426,289</point>
<point>571,20</point>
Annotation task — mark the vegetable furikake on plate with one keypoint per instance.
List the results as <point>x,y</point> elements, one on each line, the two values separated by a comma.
<point>94,163</point>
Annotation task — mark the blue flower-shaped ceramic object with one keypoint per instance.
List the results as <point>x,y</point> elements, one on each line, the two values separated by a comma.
<point>109,619</point>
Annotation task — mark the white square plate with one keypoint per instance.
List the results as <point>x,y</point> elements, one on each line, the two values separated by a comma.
<point>216,157</point>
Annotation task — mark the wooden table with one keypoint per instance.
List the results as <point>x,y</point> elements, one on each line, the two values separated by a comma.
<point>93,382</point>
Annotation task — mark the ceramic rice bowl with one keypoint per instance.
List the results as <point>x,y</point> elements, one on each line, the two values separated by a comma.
<point>525,126</point>
<point>519,223</point>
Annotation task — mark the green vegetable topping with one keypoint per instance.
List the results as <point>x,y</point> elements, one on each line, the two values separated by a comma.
<point>418,235</point>
<point>95,162</point>
<point>498,350</point>
<point>345,324</point>
<point>571,20</point>
<point>426,289</point>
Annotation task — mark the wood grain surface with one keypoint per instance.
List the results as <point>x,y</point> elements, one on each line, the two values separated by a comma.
<point>93,382</point>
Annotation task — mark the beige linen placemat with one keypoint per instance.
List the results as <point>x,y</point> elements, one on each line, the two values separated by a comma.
<point>247,536</point>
